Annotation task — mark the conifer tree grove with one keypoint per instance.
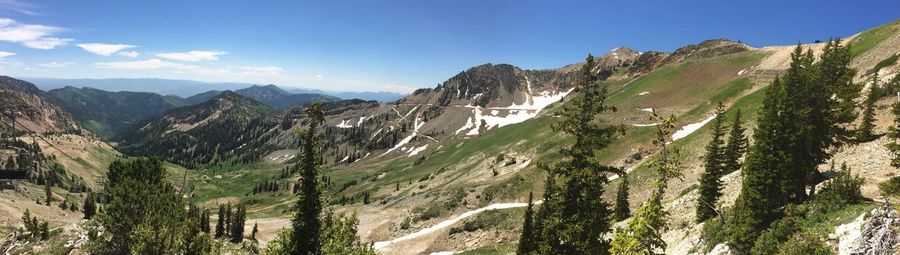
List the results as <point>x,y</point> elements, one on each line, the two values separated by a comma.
<point>644,232</point>
<point>526,239</point>
<point>622,211</point>
<point>714,164</point>
<point>587,216</point>
<point>803,118</point>
<point>865,131</point>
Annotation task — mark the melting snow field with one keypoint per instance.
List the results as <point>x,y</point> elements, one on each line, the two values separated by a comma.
<point>516,113</point>
<point>449,222</point>
<point>690,128</point>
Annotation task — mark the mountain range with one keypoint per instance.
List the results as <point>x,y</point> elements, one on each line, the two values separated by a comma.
<point>187,88</point>
<point>445,169</point>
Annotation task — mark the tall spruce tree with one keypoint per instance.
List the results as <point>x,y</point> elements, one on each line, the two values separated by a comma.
<point>316,229</point>
<point>622,210</point>
<point>90,206</point>
<point>714,163</point>
<point>644,232</point>
<point>220,224</point>
<point>865,131</point>
<point>760,195</point>
<point>527,243</point>
<point>307,226</point>
<point>737,145</point>
<point>587,216</point>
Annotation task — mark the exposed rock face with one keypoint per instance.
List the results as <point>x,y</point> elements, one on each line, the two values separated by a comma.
<point>706,49</point>
<point>647,62</point>
<point>32,110</point>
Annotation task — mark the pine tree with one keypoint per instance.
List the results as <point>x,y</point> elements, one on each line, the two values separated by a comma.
<point>644,232</point>
<point>622,211</point>
<point>220,224</point>
<point>737,145</point>
<point>90,206</point>
<point>894,135</point>
<point>228,220</point>
<point>48,193</point>
<point>307,226</point>
<point>255,230</point>
<point>237,224</point>
<point>864,132</point>
<point>204,221</point>
<point>760,195</point>
<point>526,239</point>
<point>714,163</point>
<point>587,216</point>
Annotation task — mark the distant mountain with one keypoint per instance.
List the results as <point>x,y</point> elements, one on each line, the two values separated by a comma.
<point>210,132</point>
<point>107,114</point>
<point>380,96</point>
<point>33,111</point>
<point>270,95</point>
<point>188,88</point>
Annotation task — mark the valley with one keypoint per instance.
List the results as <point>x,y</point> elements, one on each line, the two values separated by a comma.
<point>443,170</point>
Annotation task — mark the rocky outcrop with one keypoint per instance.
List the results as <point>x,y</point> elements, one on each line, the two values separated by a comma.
<point>707,49</point>
<point>647,62</point>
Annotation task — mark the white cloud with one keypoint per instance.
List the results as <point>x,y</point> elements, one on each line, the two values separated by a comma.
<point>31,35</point>
<point>192,56</point>
<point>261,70</point>
<point>4,54</point>
<point>319,77</point>
<point>104,49</point>
<point>145,64</point>
<point>17,6</point>
<point>130,54</point>
<point>55,64</point>
<point>47,43</point>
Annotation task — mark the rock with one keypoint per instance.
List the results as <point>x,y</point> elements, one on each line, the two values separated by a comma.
<point>722,249</point>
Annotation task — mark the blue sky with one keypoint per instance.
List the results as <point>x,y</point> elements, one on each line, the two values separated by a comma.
<point>383,45</point>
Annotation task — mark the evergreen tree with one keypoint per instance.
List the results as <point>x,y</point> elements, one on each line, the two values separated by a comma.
<point>865,131</point>
<point>587,216</point>
<point>894,135</point>
<point>145,214</point>
<point>90,206</point>
<point>714,163</point>
<point>526,239</point>
<point>737,145</point>
<point>760,195</point>
<point>255,230</point>
<point>316,229</point>
<point>307,226</point>
<point>220,225</point>
<point>228,220</point>
<point>237,224</point>
<point>204,221</point>
<point>622,211</point>
<point>644,232</point>
<point>48,193</point>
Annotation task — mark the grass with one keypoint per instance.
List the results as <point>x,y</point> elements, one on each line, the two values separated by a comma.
<point>868,39</point>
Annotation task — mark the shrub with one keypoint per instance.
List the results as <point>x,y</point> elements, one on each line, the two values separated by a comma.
<point>843,189</point>
<point>714,232</point>
<point>891,187</point>
<point>805,243</point>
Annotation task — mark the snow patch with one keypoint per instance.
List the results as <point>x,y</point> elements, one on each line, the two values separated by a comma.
<point>741,72</point>
<point>344,124</point>
<point>515,113</point>
<point>691,128</point>
<point>647,110</point>
<point>449,222</point>
<point>415,151</point>
<point>644,93</point>
<point>644,125</point>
